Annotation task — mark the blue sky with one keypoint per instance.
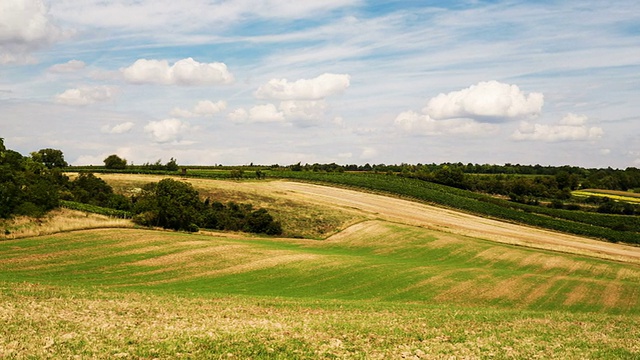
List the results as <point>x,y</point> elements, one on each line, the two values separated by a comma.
<point>346,81</point>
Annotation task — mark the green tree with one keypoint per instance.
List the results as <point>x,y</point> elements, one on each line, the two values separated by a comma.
<point>115,162</point>
<point>51,158</point>
<point>170,204</point>
<point>172,165</point>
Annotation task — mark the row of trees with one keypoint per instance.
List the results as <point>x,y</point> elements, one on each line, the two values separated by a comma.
<point>117,163</point>
<point>457,174</point>
<point>34,185</point>
<point>29,185</point>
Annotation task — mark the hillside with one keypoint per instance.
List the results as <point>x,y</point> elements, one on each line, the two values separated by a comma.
<point>391,279</point>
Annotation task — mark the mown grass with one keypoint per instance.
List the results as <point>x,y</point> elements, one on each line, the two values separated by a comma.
<point>43,321</point>
<point>371,264</point>
<point>383,291</point>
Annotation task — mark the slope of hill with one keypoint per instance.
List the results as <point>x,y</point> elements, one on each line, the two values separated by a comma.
<point>400,280</point>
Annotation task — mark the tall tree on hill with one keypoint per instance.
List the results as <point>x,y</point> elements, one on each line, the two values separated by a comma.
<point>115,162</point>
<point>51,158</point>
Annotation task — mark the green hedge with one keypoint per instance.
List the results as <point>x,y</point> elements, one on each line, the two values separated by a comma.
<point>95,209</point>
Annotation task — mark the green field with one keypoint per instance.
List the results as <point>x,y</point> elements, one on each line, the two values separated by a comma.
<point>380,290</point>
<point>341,284</point>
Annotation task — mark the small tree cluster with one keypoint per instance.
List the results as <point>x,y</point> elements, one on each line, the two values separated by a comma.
<point>171,165</point>
<point>176,205</point>
<point>115,162</point>
<point>90,189</point>
<point>30,185</point>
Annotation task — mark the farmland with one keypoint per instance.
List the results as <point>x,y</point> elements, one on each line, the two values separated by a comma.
<point>625,196</point>
<point>374,277</point>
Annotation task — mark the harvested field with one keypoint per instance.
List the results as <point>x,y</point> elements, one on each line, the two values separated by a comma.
<point>337,208</point>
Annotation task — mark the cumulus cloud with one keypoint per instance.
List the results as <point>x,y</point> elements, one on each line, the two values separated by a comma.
<point>422,124</point>
<point>238,115</point>
<point>258,113</point>
<point>570,128</point>
<point>118,129</point>
<point>489,101</point>
<point>25,27</point>
<point>86,95</point>
<point>69,66</point>
<point>168,130</point>
<point>304,89</point>
<point>186,72</point>
<point>303,110</point>
<point>202,108</point>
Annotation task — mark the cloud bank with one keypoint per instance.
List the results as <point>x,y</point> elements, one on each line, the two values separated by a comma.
<point>83,96</point>
<point>489,101</point>
<point>571,128</point>
<point>166,131</point>
<point>68,67</point>
<point>118,129</point>
<point>185,72</point>
<point>25,27</point>
<point>202,108</point>
<point>304,89</point>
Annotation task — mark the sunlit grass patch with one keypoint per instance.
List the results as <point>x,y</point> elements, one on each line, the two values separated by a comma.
<point>62,322</point>
<point>58,220</point>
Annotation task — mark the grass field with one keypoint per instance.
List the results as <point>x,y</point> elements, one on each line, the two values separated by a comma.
<point>378,289</point>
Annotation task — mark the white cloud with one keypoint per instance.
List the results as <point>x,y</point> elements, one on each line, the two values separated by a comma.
<point>368,153</point>
<point>239,115</point>
<point>202,108</point>
<point>168,130</point>
<point>258,113</point>
<point>86,95</point>
<point>303,110</point>
<point>421,124</point>
<point>69,66</point>
<point>183,72</point>
<point>486,101</point>
<point>265,113</point>
<point>571,128</point>
<point>24,27</point>
<point>118,129</point>
<point>304,89</point>
<point>573,120</point>
<point>185,15</point>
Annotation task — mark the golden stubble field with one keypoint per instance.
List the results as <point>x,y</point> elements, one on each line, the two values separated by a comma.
<point>319,211</point>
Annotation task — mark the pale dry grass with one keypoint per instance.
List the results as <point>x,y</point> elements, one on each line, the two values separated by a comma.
<point>299,217</point>
<point>58,220</point>
<point>49,322</point>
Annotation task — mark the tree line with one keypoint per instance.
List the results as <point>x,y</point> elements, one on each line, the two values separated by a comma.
<point>36,184</point>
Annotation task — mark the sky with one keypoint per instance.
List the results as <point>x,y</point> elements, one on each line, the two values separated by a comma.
<point>234,82</point>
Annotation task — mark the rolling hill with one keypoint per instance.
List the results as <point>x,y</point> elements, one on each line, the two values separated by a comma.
<point>390,279</point>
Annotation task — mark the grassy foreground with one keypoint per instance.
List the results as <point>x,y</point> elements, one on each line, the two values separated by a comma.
<point>377,290</point>
<point>61,322</point>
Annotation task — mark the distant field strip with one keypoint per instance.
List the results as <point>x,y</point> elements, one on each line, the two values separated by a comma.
<point>612,194</point>
<point>374,260</point>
